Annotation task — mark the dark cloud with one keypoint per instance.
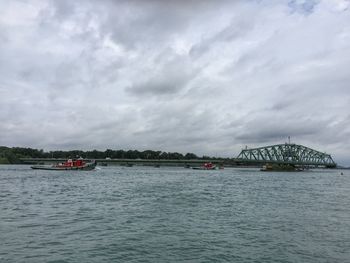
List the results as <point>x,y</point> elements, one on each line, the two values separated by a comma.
<point>145,24</point>
<point>169,78</point>
<point>266,130</point>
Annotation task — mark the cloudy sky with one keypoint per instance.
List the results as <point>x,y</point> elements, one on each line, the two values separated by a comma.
<point>206,76</point>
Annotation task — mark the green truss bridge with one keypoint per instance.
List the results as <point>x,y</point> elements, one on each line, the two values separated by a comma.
<point>289,154</point>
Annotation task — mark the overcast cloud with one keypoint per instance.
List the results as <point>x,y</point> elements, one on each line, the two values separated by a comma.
<point>207,77</point>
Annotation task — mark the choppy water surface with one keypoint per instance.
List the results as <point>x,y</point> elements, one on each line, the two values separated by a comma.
<point>141,214</point>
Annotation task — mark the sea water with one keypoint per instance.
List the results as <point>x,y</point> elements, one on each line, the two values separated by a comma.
<point>145,214</point>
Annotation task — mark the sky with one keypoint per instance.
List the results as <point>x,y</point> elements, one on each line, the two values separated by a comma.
<point>207,77</point>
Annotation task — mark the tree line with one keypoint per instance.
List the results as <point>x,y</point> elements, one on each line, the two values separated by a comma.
<point>14,154</point>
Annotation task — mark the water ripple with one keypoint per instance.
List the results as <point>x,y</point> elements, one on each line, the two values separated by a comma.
<point>143,214</point>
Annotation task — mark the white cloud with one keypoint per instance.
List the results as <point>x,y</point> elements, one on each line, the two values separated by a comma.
<point>188,76</point>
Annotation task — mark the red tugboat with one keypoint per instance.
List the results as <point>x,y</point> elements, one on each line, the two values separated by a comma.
<point>70,164</point>
<point>208,166</point>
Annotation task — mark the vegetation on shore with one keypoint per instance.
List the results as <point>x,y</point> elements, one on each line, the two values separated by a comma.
<point>13,155</point>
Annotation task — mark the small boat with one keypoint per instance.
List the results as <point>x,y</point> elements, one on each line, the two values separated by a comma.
<point>208,166</point>
<point>68,165</point>
<point>281,168</point>
<point>267,167</point>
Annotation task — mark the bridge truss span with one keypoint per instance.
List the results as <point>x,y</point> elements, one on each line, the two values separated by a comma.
<point>293,154</point>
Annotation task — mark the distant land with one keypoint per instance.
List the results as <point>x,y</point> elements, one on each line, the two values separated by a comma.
<point>12,155</point>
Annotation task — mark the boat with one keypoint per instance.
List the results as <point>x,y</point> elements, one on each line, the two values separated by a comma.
<point>70,164</point>
<point>281,168</point>
<point>208,166</point>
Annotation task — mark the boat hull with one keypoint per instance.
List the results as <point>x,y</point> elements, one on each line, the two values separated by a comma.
<point>86,167</point>
<point>204,168</point>
<point>281,168</point>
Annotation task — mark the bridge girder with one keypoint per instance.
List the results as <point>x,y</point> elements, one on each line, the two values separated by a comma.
<point>293,154</point>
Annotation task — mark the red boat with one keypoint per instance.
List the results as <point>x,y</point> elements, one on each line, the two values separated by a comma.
<point>70,164</point>
<point>208,166</point>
